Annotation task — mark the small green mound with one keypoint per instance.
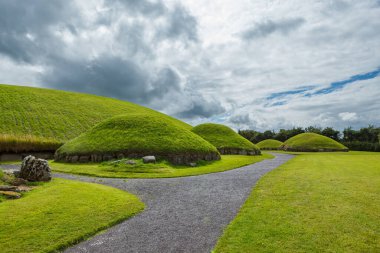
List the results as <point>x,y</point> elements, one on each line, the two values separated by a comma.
<point>226,140</point>
<point>312,142</point>
<point>269,144</point>
<point>135,135</point>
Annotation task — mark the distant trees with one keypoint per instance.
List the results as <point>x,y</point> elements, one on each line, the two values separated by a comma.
<point>366,139</point>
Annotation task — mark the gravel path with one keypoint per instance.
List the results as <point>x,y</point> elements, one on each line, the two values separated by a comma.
<point>185,214</point>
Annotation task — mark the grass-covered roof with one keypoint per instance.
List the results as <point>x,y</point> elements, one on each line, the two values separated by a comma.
<point>224,138</point>
<point>312,142</point>
<point>139,134</point>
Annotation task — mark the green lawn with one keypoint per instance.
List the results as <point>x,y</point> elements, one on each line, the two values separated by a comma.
<point>324,202</point>
<point>60,213</point>
<point>158,170</point>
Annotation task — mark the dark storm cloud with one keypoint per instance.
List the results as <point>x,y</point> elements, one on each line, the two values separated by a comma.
<point>33,34</point>
<point>240,119</point>
<point>26,28</point>
<point>264,29</point>
<point>113,77</point>
<point>201,108</point>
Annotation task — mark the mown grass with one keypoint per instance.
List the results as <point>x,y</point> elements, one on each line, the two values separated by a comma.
<point>57,115</point>
<point>26,143</point>
<point>161,169</point>
<point>312,142</point>
<point>61,213</point>
<point>316,202</point>
<point>269,144</point>
<point>137,133</point>
<point>223,137</point>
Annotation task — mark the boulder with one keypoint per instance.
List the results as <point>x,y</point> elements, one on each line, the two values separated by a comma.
<point>33,169</point>
<point>130,162</point>
<point>149,159</point>
<point>10,194</point>
<point>192,164</point>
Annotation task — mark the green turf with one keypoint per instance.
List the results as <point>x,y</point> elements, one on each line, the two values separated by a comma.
<point>312,142</point>
<point>138,133</point>
<point>316,202</point>
<point>269,144</point>
<point>35,113</point>
<point>223,137</point>
<point>158,170</point>
<point>60,213</point>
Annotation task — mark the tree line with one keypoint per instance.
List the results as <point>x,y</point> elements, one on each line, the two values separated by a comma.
<point>365,139</point>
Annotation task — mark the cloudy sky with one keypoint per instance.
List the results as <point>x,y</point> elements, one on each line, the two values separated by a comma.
<point>259,64</point>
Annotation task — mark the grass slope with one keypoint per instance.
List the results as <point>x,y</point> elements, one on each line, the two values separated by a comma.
<point>316,202</point>
<point>269,144</point>
<point>61,213</point>
<point>37,114</point>
<point>312,142</point>
<point>158,170</point>
<point>223,137</point>
<point>140,134</point>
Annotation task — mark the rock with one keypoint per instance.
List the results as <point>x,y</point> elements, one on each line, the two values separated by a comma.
<point>7,188</point>
<point>192,164</point>
<point>130,162</point>
<point>33,169</point>
<point>149,159</point>
<point>12,172</point>
<point>84,159</point>
<point>10,194</point>
<point>18,181</point>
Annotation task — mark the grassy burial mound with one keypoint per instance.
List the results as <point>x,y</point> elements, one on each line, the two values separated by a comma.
<point>35,119</point>
<point>269,144</point>
<point>226,140</point>
<point>312,142</point>
<point>136,135</point>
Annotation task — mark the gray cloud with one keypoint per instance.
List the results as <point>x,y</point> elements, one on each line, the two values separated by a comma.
<point>266,28</point>
<point>201,108</point>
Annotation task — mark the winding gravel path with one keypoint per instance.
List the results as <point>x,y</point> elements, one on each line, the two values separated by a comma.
<point>185,214</point>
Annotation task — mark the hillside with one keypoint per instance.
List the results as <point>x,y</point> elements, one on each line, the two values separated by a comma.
<point>269,144</point>
<point>135,135</point>
<point>36,118</point>
<point>312,142</point>
<point>226,140</point>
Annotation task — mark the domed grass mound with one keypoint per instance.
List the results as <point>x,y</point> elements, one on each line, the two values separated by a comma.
<point>226,140</point>
<point>135,135</point>
<point>312,142</point>
<point>269,144</point>
<point>36,119</point>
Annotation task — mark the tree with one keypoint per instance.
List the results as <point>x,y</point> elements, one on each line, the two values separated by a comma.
<point>331,133</point>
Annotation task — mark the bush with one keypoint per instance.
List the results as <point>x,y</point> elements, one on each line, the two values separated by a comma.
<point>363,146</point>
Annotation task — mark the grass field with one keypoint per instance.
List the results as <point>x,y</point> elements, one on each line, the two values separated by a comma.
<point>312,142</point>
<point>36,113</point>
<point>269,144</point>
<point>138,133</point>
<point>158,170</point>
<point>316,202</point>
<point>223,137</point>
<point>61,213</point>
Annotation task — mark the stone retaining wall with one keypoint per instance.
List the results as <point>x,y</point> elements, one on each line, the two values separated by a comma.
<point>238,151</point>
<point>177,159</point>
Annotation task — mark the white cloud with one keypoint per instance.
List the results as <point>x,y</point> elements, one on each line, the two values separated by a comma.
<point>348,116</point>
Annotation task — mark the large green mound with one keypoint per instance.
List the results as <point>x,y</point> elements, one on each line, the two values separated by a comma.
<point>35,118</point>
<point>312,142</point>
<point>269,144</point>
<point>226,140</point>
<point>135,135</point>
